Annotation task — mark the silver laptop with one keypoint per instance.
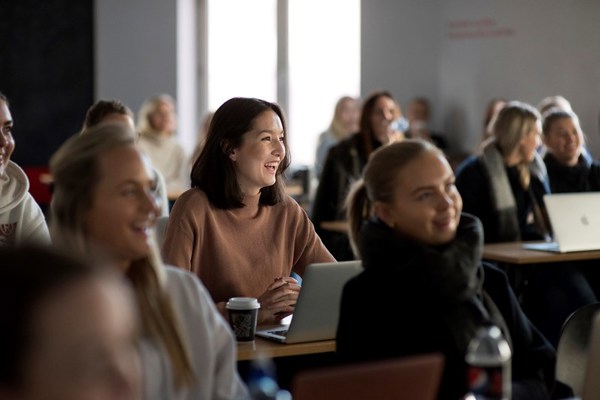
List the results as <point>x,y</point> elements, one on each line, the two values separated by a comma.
<point>575,221</point>
<point>317,310</point>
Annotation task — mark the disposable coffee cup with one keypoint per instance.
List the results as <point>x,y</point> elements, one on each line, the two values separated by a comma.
<point>243,313</point>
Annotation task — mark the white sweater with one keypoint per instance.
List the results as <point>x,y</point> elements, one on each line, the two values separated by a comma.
<point>212,347</point>
<point>21,218</point>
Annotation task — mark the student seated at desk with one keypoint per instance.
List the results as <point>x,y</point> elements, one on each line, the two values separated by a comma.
<point>236,228</point>
<point>504,188</point>
<point>422,261</point>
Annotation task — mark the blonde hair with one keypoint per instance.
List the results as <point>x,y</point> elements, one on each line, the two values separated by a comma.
<point>75,170</point>
<point>148,107</point>
<point>337,127</point>
<point>380,180</point>
<point>515,121</point>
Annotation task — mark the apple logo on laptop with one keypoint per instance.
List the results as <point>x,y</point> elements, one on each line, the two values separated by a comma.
<point>585,221</point>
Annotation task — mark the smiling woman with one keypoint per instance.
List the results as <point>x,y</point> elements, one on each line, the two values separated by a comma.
<point>236,228</point>
<point>103,201</point>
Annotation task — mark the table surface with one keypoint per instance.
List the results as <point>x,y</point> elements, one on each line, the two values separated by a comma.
<point>268,348</point>
<point>514,253</point>
<point>335,226</point>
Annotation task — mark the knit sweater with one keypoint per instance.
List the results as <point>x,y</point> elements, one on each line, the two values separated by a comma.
<point>168,157</point>
<point>209,342</point>
<point>238,252</point>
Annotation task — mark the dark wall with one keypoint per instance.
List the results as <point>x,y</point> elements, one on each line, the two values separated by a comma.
<point>46,71</point>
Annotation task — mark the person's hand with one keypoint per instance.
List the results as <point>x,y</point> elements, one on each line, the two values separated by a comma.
<point>278,301</point>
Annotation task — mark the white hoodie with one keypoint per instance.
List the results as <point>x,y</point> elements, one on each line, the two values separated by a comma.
<point>21,218</point>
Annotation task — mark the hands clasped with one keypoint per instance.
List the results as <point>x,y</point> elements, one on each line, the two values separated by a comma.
<point>278,301</point>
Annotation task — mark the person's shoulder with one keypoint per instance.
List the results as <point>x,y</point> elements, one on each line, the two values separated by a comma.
<point>15,184</point>
<point>469,169</point>
<point>193,195</point>
<point>179,281</point>
<point>493,271</point>
<point>469,162</point>
<point>349,142</point>
<point>287,205</point>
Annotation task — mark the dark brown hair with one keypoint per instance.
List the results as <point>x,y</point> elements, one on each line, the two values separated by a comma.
<point>102,108</point>
<point>214,172</point>
<point>366,129</point>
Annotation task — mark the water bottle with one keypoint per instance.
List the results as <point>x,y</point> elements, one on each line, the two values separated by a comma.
<point>488,359</point>
<point>262,381</point>
<point>399,124</point>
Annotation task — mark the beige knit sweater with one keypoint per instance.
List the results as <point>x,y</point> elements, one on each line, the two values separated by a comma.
<point>239,252</point>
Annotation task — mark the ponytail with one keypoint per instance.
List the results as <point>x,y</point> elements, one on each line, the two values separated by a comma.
<point>358,209</point>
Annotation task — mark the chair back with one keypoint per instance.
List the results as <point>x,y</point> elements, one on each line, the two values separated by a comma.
<point>410,378</point>
<point>591,383</point>
<point>161,227</point>
<point>573,347</point>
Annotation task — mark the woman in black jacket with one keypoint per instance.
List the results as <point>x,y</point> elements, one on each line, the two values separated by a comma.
<point>504,188</point>
<point>422,260</point>
<point>570,167</point>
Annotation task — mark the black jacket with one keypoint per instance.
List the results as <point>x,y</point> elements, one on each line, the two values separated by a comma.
<point>392,291</point>
<point>343,166</point>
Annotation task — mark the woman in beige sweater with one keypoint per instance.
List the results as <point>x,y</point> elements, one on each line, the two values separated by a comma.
<point>236,228</point>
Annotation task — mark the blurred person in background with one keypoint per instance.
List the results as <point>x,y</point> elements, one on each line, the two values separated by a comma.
<point>344,164</point>
<point>157,126</point>
<point>345,122</point>
<point>70,329</point>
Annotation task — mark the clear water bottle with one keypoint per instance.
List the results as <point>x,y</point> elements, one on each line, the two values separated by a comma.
<point>399,124</point>
<point>488,358</point>
<point>262,381</point>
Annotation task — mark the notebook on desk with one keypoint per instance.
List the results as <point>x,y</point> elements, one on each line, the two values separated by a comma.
<point>317,310</point>
<point>575,221</point>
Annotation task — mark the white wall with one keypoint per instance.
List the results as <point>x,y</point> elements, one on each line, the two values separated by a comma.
<point>459,54</point>
<point>401,49</point>
<point>514,49</point>
<point>137,55</point>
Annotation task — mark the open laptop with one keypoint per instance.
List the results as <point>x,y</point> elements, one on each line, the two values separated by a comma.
<point>317,310</point>
<point>575,221</point>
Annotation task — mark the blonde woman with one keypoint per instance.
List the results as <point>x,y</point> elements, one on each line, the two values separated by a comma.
<point>157,125</point>
<point>345,120</point>
<point>419,248</point>
<point>103,204</point>
<point>504,187</point>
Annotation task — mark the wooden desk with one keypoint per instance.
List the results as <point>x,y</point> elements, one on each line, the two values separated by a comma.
<point>513,253</point>
<point>268,348</point>
<point>336,226</point>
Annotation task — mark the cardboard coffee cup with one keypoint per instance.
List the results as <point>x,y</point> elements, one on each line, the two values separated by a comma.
<point>243,313</point>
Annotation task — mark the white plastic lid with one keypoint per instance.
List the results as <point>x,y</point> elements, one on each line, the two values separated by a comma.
<point>243,303</point>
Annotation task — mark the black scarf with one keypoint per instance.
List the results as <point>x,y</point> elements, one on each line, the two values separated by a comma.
<point>451,275</point>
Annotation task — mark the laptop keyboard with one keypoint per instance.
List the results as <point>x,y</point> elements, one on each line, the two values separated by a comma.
<point>281,332</point>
